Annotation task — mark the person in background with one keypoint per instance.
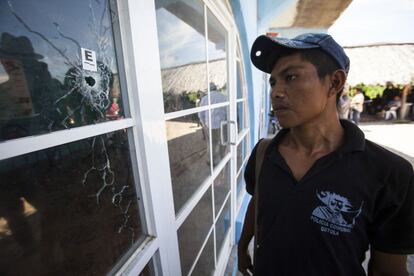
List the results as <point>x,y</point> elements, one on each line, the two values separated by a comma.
<point>389,93</point>
<point>344,104</point>
<point>357,106</point>
<point>218,115</point>
<point>392,107</point>
<point>410,103</point>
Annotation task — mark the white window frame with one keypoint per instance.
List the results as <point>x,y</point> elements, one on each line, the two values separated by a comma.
<point>148,139</point>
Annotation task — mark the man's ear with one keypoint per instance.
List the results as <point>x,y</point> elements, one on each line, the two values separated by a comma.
<point>337,82</point>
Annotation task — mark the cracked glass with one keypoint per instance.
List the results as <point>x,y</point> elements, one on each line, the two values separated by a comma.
<point>69,210</point>
<point>58,66</point>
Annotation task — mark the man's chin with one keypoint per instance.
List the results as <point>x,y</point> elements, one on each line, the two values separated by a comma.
<point>284,123</point>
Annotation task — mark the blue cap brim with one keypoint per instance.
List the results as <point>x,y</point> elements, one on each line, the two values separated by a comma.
<point>265,48</point>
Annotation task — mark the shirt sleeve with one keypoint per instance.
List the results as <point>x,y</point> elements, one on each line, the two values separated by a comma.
<point>249,173</point>
<point>393,225</point>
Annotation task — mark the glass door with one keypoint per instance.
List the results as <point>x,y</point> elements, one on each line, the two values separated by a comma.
<point>195,65</point>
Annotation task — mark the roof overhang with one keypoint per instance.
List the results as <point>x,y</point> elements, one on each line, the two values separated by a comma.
<point>299,14</point>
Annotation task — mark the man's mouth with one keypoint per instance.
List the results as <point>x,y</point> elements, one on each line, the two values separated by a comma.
<point>280,108</point>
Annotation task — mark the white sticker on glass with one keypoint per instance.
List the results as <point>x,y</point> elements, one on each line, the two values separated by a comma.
<point>88,60</point>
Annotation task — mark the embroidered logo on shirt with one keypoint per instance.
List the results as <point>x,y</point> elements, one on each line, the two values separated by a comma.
<point>336,215</point>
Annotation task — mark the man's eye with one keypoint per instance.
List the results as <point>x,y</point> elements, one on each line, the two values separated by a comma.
<point>290,77</point>
<point>272,83</point>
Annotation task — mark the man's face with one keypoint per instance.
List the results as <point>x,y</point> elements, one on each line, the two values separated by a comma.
<point>11,65</point>
<point>298,95</point>
<point>335,205</point>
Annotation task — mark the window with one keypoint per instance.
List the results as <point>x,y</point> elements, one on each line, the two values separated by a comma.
<point>181,35</point>
<point>71,207</point>
<point>44,84</point>
<point>242,152</point>
<point>196,97</point>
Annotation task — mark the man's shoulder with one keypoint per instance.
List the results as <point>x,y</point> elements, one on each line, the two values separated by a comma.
<point>386,159</point>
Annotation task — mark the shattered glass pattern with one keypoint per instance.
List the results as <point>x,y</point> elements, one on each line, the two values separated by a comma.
<point>73,212</point>
<point>43,86</point>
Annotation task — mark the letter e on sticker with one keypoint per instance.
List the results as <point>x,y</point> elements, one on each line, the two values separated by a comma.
<point>88,60</point>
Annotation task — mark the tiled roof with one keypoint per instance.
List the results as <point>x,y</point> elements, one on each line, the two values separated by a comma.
<point>193,77</point>
<point>377,64</point>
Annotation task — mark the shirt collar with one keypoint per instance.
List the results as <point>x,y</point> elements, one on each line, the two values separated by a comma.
<point>354,139</point>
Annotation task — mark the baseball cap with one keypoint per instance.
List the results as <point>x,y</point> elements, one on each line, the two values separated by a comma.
<point>265,47</point>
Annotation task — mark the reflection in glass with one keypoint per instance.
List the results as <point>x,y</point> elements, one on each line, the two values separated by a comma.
<point>217,55</point>
<point>193,232</point>
<point>221,187</point>
<point>205,264</point>
<point>240,84</point>
<point>241,116</point>
<point>241,153</point>
<point>44,86</point>
<point>181,41</point>
<point>240,181</point>
<point>222,227</point>
<point>69,210</point>
<point>149,269</point>
<point>219,129</point>
<point>189,156</point>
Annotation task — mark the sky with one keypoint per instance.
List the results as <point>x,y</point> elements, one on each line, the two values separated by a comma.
<point>375,21</point>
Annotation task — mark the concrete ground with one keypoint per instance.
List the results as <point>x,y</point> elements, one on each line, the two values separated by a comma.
<point>395,136</point>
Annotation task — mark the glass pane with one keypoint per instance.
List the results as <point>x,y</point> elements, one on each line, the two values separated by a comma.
<point>44,85</point>
<point>241,152</point>
<point>148,270</point>
<point>189,156</point>
<point>221,187</point>
<point>240,181</point>
<point>182,45</point>
<point>205,264</point>
<point>73,211</point>
<point>240,84</point>
<point>241,116</point>
<point>193,231</point>
<point>217,58</point>
<point>219,124</point>
<point>222,227</point>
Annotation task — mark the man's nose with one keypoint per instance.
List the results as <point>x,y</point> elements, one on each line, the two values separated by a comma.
<point>278,91</point>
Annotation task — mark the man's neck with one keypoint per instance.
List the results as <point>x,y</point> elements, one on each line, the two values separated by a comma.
<point>315,138</point>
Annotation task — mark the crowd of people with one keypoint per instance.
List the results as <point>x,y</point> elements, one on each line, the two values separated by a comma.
<point>395,102</point>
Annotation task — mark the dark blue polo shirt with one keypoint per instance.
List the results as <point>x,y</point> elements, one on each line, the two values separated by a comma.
<point>359,195</point>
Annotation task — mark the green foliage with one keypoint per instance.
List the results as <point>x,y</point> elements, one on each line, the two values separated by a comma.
<point>192,96</point>
<point>371,91</point>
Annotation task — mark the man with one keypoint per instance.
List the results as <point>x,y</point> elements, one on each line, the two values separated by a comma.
<point>344,104</point>
<point>357,106</point>
<point>392,107</point>
<point>218,115</point>
<point>390,92</point>
<point>325,193</point>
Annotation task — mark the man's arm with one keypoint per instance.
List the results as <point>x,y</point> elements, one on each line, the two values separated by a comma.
<point>384,264</point>
<point>243,256</point>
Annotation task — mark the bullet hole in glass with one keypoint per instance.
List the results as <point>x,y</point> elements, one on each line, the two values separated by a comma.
<point>90,81</point>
